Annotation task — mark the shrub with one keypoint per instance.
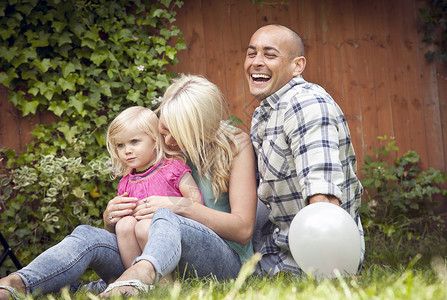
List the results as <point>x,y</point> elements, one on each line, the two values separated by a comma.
<point>84,61</point>
<point>399,207</point>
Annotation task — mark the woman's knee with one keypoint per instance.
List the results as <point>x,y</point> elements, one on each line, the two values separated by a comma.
<point>164,213</point>
<point>90,236</point>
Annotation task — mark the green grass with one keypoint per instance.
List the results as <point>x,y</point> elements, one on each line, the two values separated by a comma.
<point>374,282</point>
<point>397,266</point>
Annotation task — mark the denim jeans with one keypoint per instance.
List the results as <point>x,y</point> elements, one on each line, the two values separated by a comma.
<point>196,249</point>
<point>172,240</point>
<point>64,263</point>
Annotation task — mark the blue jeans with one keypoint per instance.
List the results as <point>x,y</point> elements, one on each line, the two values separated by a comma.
<point>173,240</point>
<point>64,263</point>
<point>196,249</point>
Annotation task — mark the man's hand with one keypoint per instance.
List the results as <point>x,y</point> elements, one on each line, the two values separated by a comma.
<point>324,198</point>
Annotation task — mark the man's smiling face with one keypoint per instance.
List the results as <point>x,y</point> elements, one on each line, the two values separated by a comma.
<point>270,63</point>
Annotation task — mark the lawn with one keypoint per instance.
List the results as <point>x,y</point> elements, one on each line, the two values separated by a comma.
<point>389,272</point>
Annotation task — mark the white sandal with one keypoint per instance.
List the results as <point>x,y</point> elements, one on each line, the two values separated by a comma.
<point>133,283</point>
<point>14,294</point>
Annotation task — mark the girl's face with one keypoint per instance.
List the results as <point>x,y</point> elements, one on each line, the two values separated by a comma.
<point>135,149</point>
<point>167,137</point>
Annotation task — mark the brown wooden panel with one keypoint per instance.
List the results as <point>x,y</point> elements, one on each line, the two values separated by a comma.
<point>331,24</point>
<point>311,33</point>
<point>397,69</point>
<point>365,75</point>
<point>409,54</point>
<point>430,98</point>
<point>192,60</point>
<point>247,26</point>
<point>234,61</point>
<point>349,86</point>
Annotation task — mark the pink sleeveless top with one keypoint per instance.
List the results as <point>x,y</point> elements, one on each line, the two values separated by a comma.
<point>161,180</point>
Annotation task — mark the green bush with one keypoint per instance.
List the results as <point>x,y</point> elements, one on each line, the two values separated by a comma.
<point>84,61</point>
<point>399,207</point>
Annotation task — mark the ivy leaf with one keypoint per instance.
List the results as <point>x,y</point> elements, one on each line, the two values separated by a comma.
<point>43,64</point>
<point>16,97</point>
<point>58,26</point>
<point>58,108</point>
<point>64,38</point>
<point>170,52</point>
<point>89,43</point>
<point>4,78</point>
<point>77,104</point>
<point>29,107</point>
<point>6,33</point>
<point>69,132</point>
<point>41,41</point>
<point>67,68</point>
<point>66,84</point>
<point>8,53</point>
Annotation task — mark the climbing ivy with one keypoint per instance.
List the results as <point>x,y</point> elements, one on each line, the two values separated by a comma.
<point>434,25</point>
<point>84,61</point>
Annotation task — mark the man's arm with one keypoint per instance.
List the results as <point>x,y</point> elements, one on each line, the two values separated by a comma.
<point>324,198</point>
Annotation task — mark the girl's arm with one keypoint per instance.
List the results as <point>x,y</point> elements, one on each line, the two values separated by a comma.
<point>118,207</point>
<point>236,226</point>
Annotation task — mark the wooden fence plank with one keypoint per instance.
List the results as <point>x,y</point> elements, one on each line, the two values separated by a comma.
<point>409,56</point>
<point>366,74</point>
<point>431,109</point>
<point>349,86</point>
<point>397,68</point>
<point>234,61</point>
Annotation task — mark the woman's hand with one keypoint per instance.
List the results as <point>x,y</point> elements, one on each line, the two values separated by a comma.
<point>118,207</point>
<point>145,208</point>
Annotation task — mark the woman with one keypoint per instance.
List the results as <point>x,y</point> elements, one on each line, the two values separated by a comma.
<point>210,239</point>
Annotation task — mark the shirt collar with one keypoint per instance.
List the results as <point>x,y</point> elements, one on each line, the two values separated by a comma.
<point>273,99</point>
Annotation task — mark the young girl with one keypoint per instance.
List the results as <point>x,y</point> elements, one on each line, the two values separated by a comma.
<point>134,145</point>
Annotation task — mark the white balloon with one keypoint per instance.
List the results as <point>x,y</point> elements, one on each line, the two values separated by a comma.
<point>324,237</point>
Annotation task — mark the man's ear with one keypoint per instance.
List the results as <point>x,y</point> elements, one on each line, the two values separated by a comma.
<point>299,65</point>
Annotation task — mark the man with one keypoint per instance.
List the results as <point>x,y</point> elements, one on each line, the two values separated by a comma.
<point>302,143</point>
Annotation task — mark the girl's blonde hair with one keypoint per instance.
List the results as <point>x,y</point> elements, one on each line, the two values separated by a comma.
<point>193,109</point>
<point>136,118</point>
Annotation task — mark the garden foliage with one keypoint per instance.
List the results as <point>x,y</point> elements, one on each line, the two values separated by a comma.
<point>84,61</point>
<point>399,208</point>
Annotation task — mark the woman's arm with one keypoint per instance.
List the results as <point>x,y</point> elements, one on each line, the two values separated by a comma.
<point>236,226</point>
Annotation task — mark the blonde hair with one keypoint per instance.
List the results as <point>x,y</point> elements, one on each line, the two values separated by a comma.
<point>134,118</point>
<point>193,109</point>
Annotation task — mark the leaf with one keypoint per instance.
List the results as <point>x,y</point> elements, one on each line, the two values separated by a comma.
<point>43,64</point>
<point>64,38</point>
<point>97,57</point>
<point>66,84</point>
<point>69,132</point>
<point>58,108</point>
<point>67,68</point>
<point>170,52</point>
<point>29,107</point>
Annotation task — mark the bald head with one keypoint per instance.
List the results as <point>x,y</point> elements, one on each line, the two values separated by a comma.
<point>296,45</point>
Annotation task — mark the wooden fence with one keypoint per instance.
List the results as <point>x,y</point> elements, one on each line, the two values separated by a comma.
<point>368,55</point>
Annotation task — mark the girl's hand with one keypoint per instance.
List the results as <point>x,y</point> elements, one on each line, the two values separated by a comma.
<point>118,207</point>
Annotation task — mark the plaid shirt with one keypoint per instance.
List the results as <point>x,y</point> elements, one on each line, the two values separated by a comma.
<point>303,148</point>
